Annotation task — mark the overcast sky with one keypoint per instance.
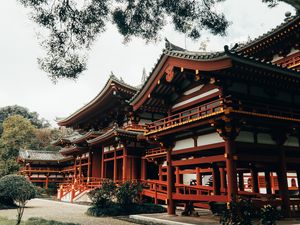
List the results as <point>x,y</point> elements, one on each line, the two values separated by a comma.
<point>23,83</point>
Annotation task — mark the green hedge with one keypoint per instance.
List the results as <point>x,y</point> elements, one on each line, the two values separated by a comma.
<point>116,209</point>
<point>39,221</point>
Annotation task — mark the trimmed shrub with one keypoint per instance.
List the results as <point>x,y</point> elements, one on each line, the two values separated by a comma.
<point>128,193</point>
<point>102,197</point>
<point>127,199</point>
<point>19,190</point>
<point>269,215</point>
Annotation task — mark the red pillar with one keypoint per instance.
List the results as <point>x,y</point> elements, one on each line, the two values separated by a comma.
<point>231,170</point>
<point>80,169</point>
<point>283,185</point>
<point>115,166</point>
<point>89,165</point>
<point>144,169</point>
<point>133,169</point>
<point>47,181</point>
<point>298,180</point>
<point>103,175</point>
<point>124,175</point>
<point>160,176</point>
<point>75,169</point>
<point>170,182</point>
<point>198,176</point>
<point>177,178</point>
<point>254,178</point>
<point>241,181</point>
<point>216,179</point>
<point>268,182</point>
<point>223,179</point>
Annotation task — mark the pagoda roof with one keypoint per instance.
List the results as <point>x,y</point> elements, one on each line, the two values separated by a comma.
<point>202,61</point>
<point>27,155</point>
<point>86,136</point>
<point>270,37</point>
<point>67,139</point>
<point>70,150</point>
<point>113,84</point>
<point>113,132</point>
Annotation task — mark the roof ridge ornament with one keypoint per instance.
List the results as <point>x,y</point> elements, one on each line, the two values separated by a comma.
<point>226,48</point>
<point>170,46</point>
<point>112,75</point>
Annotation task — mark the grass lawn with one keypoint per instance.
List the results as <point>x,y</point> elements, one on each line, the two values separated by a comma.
<point>34,221</point>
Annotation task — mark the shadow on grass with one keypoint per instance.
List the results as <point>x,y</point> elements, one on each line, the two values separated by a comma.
<point>34,221</point>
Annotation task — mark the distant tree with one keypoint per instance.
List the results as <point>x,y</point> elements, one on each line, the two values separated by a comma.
<point>44,137</point>
<point>18,133</point>
<point>19,189</point>
<point>22,111</point>
<point>73,25</point>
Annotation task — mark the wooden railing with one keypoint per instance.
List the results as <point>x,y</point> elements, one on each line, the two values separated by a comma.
<point>292,63</point>
<point>193,190</point>
<point>186,116</point>
<point>39,169</point>
<point>77,186</point>
<point>135,127</point>
<point>155,152</point>
<point>268,109</point>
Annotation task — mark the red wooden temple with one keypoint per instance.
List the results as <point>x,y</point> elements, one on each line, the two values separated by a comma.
<point>204,127</point>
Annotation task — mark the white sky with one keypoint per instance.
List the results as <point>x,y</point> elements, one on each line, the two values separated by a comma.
<point>23,83</point>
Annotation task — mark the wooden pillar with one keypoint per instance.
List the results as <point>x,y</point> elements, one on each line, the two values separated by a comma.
<point>47,182</point>
<point>216,179</point>
<point>177,180</point>
<point>170,183</point>
<point>115,166</point>
<point>298,180</point>
<point>160,172</point>
<point>89,166</point>
<point>133,169</point>
<point>241,181</point>
<point>268,182</point>
<point>103,173</point>
<point>283,185</point>
<point>124,175</point>
<point>232,189</point>
<point>75,169</point>
<point>254,179</point>
<point>144,169</point>
<point>198,176</point>
<point>223,179</point>
<point>80,169</point>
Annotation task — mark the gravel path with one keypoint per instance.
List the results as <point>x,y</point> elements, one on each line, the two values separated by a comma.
<point>61,211</point>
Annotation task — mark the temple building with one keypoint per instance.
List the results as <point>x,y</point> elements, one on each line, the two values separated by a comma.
<point>204,127</point>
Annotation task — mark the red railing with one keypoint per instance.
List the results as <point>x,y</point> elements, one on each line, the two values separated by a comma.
<point>268,109</point>
<point>135,127</point>
<point>193,190</point>
<point>186,116</point>
<point>39,169</point>
<point>150,153</point>
<point>291,63</point>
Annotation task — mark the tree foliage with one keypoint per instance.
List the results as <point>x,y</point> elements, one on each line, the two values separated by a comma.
<point>18,133</point>
<point>19,189</point>
<point>73,25</point>
<point>7,111</point>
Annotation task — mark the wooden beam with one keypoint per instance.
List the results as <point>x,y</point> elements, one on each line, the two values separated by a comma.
<point>202,160</point>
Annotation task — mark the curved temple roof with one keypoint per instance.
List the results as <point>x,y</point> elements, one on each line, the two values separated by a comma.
<point>39,155</point>
<point>267,38</point>
<point>112,133</point>
<point>112,84</point>
<point>204,61</point>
